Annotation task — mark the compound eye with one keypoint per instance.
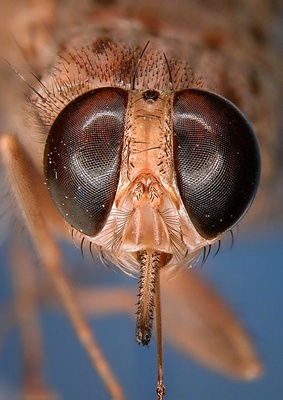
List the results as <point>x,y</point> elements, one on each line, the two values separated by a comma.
<point>82,157</point>
<point>217,160</point>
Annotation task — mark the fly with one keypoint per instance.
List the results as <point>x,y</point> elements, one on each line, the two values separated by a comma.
<point>140,157</point>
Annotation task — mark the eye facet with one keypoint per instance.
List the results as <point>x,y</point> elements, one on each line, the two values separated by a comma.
<point>82,157</point>
<point>216,158</point>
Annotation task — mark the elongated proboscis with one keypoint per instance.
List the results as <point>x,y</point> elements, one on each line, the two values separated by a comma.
<point>151,262</point>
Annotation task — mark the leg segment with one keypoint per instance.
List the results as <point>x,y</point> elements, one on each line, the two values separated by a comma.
<point>21,176</point>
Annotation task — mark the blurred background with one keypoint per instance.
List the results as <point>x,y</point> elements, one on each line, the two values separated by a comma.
<point>249,277</point>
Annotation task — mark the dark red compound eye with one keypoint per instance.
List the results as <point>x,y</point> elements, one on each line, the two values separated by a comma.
<point>82,157</point>
<point>217,160</point>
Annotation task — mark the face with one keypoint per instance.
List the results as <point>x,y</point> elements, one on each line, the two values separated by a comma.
<point>154,163</point>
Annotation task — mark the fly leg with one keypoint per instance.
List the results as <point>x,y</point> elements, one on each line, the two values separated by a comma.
<point>21,175</point>
<point>27,316</point>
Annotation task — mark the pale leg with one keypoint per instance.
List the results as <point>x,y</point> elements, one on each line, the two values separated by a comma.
<point>20,173</point>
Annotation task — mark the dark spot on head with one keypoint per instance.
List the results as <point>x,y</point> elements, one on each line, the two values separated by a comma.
<point>151,95</point>
<point>213,40</point>
<point>104,2</point>
<point>254,82</point>
<point>258,34</point>
<point>150,22</point>
<point>101,45</point>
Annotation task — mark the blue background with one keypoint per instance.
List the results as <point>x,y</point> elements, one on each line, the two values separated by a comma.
<point>250,277</point>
